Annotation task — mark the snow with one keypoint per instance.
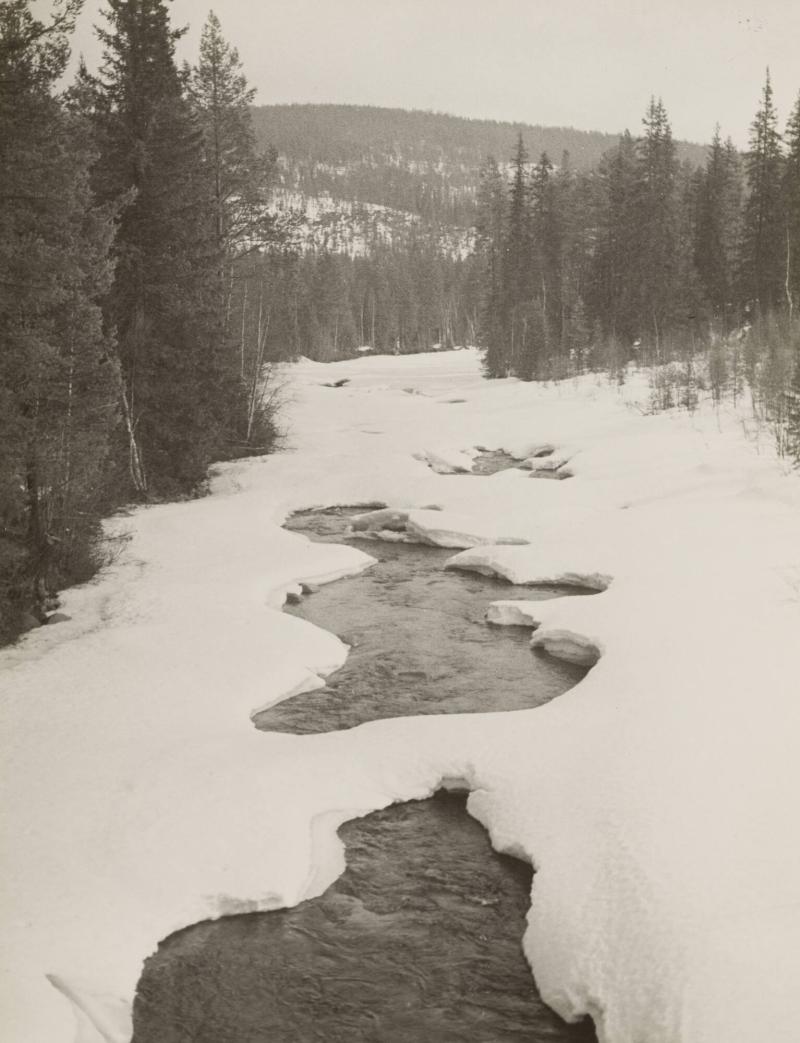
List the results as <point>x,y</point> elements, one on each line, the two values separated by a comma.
<point>574,645</point>
<point>449,461</point>
<point>656,799</point>
<point>327,222</point>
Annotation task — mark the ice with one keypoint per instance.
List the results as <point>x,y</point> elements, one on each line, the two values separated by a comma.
<point>434,526</point>
<point>544,463</point>
<point>556,622</point>
<point>448,461</point>
<point>656,799</point>
<point>447,529</point>
<point>534,565</point>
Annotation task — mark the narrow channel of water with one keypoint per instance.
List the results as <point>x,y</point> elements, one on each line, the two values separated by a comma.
<point>419,941</point>
<point>419,640</point>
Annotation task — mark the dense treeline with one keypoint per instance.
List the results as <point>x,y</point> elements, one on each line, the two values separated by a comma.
<point>425,163</point>
<point>126,208</point>
<point>327,306</point>
<point>648,257</point>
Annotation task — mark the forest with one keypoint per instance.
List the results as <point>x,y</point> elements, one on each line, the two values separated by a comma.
<point>155,268</point>
<point>126,204</point>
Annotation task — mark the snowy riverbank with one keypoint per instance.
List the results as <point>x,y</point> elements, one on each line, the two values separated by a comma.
<point>657,799</point>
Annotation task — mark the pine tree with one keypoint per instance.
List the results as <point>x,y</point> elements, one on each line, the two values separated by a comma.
<point>656,216</point>
<point>490,230</point>
<point>547,260</point>
<point>180,386</point>
<point>718,227</point>
<point>59,383</point>
<point>613,274</point>
<point>576,200</point>
<point>517,269</point>
<point>239,180</point>
<point>791,195</point>
<point>239,176</point>
<point>763,253</point>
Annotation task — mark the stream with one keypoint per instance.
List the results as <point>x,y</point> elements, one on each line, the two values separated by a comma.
<point>419,941</point>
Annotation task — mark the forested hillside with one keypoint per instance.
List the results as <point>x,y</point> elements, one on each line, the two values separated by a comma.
<point>425,163</point>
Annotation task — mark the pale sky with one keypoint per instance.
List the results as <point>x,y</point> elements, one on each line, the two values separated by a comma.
<point>584,63</point>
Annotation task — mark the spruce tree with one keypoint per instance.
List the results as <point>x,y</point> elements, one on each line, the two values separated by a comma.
<point>239,180</point>
<point>718,227</point>
<point>613,276</point>
<point>656,216</point>
<point>547,260</point>
<point>239,176</point>
<point>791,195</point>
<point>490,231</point>
<point>180,386</point>
<point>517,268</point>
<point>763,252</point>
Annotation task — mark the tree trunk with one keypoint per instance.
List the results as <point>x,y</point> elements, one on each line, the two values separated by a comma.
<point>136,466</point>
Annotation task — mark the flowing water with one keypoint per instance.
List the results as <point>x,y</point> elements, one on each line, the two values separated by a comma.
<point>419,643</point>
<point>419,940</point>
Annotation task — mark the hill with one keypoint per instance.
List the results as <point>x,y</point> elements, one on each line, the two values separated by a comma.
<point>423,163</point>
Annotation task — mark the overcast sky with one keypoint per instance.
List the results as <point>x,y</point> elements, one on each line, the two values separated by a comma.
<point>591,64</point>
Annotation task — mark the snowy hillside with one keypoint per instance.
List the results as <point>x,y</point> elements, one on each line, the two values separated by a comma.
<point>656,799</point>
<point>357,229</point>
<point>425,163</point>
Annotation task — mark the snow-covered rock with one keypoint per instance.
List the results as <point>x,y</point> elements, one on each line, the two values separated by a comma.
<point>448,529</point>
<point>448,461</point>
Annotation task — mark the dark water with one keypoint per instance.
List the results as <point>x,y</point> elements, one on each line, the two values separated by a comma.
<point>490,461</point>
<point>419,941</point>
<point>419,641</point>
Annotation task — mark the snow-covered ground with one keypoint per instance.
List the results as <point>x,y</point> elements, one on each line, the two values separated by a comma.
<point>657,799</point>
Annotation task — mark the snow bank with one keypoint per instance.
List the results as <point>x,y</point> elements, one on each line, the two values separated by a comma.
<point>448,461</point>
<point>448,529</point>
<point>657,799</point>
<point>560,639</point>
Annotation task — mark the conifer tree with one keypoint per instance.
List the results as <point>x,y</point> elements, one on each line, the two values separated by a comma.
<point>490,231</point>
<point>547,260</point>
<point>180,386</point>
<point>763,254</point>
<point>239,177</point>
<point>791,195</point>
<point>239,181</point>
<point>614,269</point>
<point>718,227</point>
<point>517,268</point>
<point>656,216</point>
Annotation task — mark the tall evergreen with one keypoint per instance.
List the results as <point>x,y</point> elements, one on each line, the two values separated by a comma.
<point>238,182</point>
<point>180,388</point>
<point>717,229</point>
<point>239,177</point>
<point>791,194</point>
<point>59,383</point>
<point>517,267</point>
<point>547,260</point>
<point>490,232</point>
<point>656,216</point>
<point>611,292</point>
<point>763,256</point>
